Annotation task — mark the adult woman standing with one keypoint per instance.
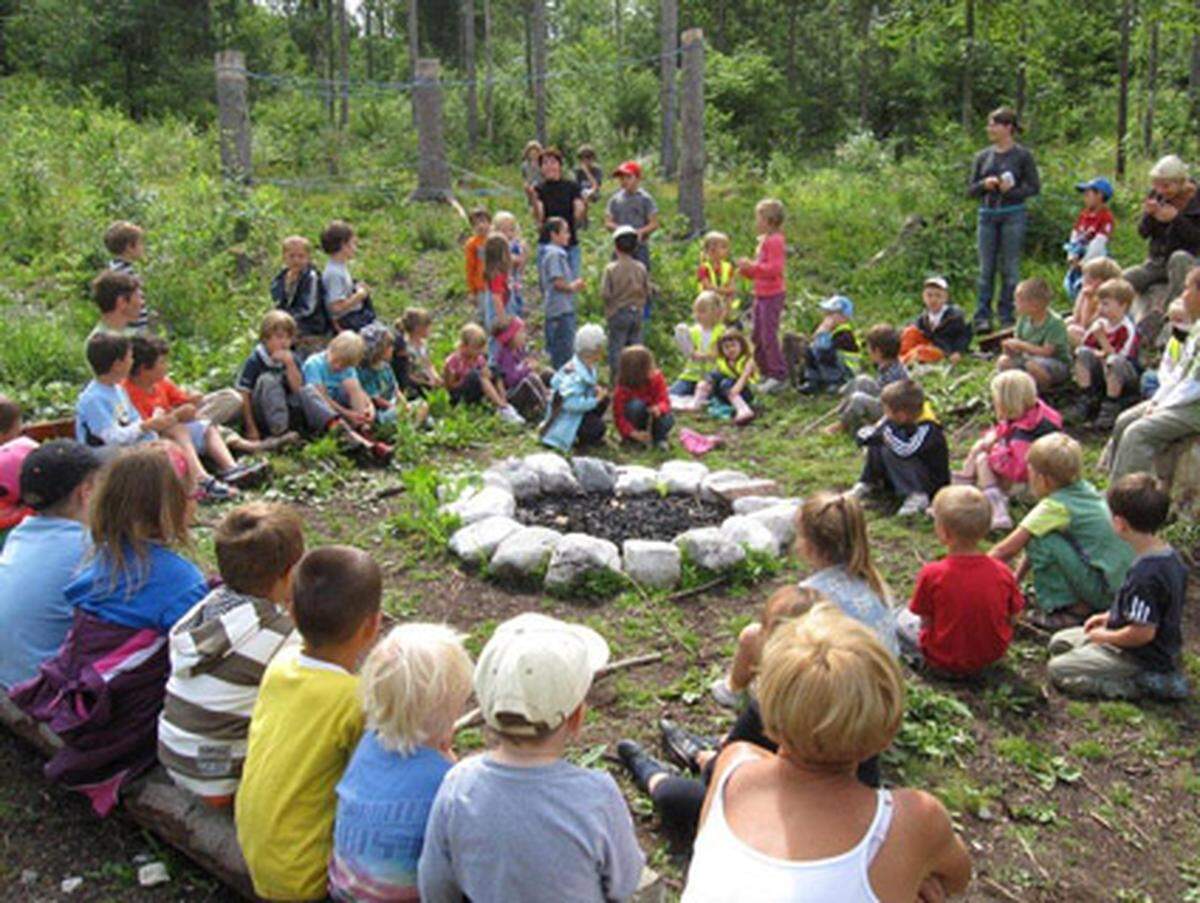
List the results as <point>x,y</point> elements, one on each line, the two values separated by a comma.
<point>1003,176</point>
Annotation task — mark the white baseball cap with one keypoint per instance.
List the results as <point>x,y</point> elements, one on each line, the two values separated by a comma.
<point>539,669</point>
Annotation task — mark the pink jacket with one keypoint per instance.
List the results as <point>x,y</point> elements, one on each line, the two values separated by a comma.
<point>767,271</point>
<point>1013,437</point>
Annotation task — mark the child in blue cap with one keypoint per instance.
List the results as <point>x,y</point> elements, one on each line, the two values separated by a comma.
<point>1091,232</point>
<point>824,368</point>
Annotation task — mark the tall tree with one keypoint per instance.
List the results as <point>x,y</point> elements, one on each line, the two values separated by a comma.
<point>1123,88</point>
<point>968,80</point>
<point>489,75</point>
<point>414,39</point>
<point>669,33</point>
<point>343,64</point>
<point>1151,89</point>
<point>468,45</point>
<point>538,28</point>
<point>1194,72</point>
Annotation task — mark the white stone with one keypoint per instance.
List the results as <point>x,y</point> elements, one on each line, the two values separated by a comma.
<point>780,520</point>
<point>153,874</point>
<point>477,541</point>
<point>710,548</point>
<point>522,480</point>
<point>554,473</point>
<point>477,504</point>
<point>751,534</point>
<point>523,553</point>
<point>70,885</point>
<point>748,504</point>
<point>595,474</point>
<point>578,554</point>
<point>633,479</point>
<point>682,477</point>
<point>711,485</point>
<point>651,563</point>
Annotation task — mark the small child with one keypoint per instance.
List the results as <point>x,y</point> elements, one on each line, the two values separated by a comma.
<point>1170,368</point>
<point>415,373</point>
<point>940,332</point>
<point>589,177</point>
<point>307,721</point>
<point>698,345</point>
<point>481,225</point>
<point>416,682</point>
<point>625,290</point>
<point>299,290</point>
<point>769,272</point>
<point>631,205</point>
<point>1133,648</point>
<point>906,451</point>
<point>641,406</point>
<point>860,403</point>
<point>468,378</point>
<point>716,272</point>
<point>102,691</point>
<point>347,302</point>
<point>14,449</point>
<point>1068,540</point>
<point>731,381</point>
<point>824,367</point>
<point>378,379</point>
<point>963,608</point>
<point>996,462</point>
<point>524,387</point>
<point>1094,273</point>
<point>1106,370</point>
<point>558,290</point>
<point>126,242</point>
<point>531,169</point>
<point>1039,345</point>
<point>334,373</point>
<point>119,297</point>
<point>574,839</point>
<point>506,224</point>
<point>575,414</point>
<point>222,646</point>
<point>1091,232</point>
<point>497,264</point>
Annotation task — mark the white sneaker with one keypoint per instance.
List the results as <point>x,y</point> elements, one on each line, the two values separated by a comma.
<point>913,504</point>
<point>770,386</point>
<point>725,695</point>
<point>509,415</point>
<point>859,491</point>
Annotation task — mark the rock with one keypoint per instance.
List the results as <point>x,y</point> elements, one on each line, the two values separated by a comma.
<point>153,874</point>
<point>522,480</point>
<point>594,474</point>
<point>29,876</point>
<point>682,477</point>
<point>478,504</point>
<point>748,504</point>
<point>70,885</point>
<point>780,520</point>
<point>651,888</point>
<point>751,534</point>
<point>711,549</point>
<point>524,553</point>
<point>554,473</point>
<point>718,479</point>
<point>651,563</point>
<point>578,555</point>
<point>633,479</point>
<point>477,541</point>
<point>733,492</point>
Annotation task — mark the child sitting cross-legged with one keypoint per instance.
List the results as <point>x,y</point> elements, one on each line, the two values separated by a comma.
<point>1106,370</point>
<point>698,345</point>
<point>298,290</point>
<point>731,381</point>
<point>906,451</point>
<point>378,378</point>
<point>334,373</point>
<point>1134,648</point>
<point>1039,344</point>
<point>860,403</point>
<point>963,608</point>
<point>306,723</point>
<point>524,387</point>
<point>940,332</point>
<point>102,692</point>
<point>221,647</point>
<point>574,838</point>
<point>1068,540</point>
<point>641,406</point>
<point>416,682</point>
<point>468,377</point>
<point>996,462</point>
<point>575,414</point>
<point>415,373</point>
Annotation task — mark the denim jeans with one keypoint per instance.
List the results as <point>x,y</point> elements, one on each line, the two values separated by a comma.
<point>575,258</point>
<point>560,339</point>
<point>1001,237</point>
<point>624,329</point>
<point>638,414</point>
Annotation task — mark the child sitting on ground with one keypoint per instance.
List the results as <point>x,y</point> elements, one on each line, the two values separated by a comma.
<point>298,290</point>
<point>222,646</point>
<point>820,357</point>
<point>524,387</point>
<point>558,290</point>
<point>119,297</point>
<point>575,839</point>
<point>307,721</point>
<point>860,403</point>
<point>1068,540</point>
<point>506,224</point>
<point>625,290</point>
<point>769,272</point>
<point>1091,232</point>
<point>468,378</point>
<point>641,406</point>
<point>481,225</point>
<point>126,242</point>
<point>940,332</point>
<point>14,449</point>
<point>1039,344</point>
<point>1135,646</point>
<point>415,373</point>
<point>102,692</point>
<point>378,378</point>
<point>347,302</point>
<point>698,345</point>
<point>1170,368</point>
<point>963,608</point>
<point>906,451</point>
<point>996,462</point>
<point>1106,370</point>
<point>716,274</point>
<point>416,682</point>
<point>334,373</point>
<point>1094,274</point>
<point>575,414</point>
<point>731,381</point>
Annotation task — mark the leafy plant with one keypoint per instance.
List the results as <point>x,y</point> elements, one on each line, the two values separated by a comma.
<point>1046,768</point>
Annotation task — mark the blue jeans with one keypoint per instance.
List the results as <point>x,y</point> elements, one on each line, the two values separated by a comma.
<point>683,387</point>
<point>560,339</point>
<point>1001,237</point>
<point>638,414</point>
<point>575,258</point>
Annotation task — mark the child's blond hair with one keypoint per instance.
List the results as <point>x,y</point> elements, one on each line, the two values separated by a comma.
<point>414,683</point>
<point>296,241</point>
<point>771,211</point>
<point>1102,268</point>
<point>277,322</point>
<point>1035,289</point>
<point>504,218</point>
<point>1014,392</point>
<point>835,528</point>
<point>347,349</point>
<point>964,512</point>
<point>707,302</point>
<point>472,336</point>
<point>712,239</point>
<point>1058,458</point>
<point>829,691</point>
<point>1119,290</point>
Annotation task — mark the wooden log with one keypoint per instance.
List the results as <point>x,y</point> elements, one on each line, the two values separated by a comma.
<point>44,430</point>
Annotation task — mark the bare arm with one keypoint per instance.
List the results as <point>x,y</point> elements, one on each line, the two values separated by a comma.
<point>651,226</point>
<point>1011,545</point>
<point>1130,636</point>
<point>248,425</point>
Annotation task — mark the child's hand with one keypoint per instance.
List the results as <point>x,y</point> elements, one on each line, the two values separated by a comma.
<point>281,355</point>
<point>1095,622</point>
<point>577,285</point>
<point>185,413</point>
<point>601,394</point>
<point>640,436</point>
<point>991,183</point>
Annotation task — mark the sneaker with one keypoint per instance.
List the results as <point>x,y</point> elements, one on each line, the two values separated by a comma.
<point>642,767</point>
<point>1053,620</point>
<point>914,504</point>
<point>509,415</point>
<point>771,385</point>
<point>662,445</point>
<point>682,746</point>
<point>247,475</point>
<point>859,491</point>
<point>213,490</point>
<point>725,695</point>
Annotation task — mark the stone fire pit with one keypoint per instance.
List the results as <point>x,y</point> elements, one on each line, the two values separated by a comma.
<point>558,520</point>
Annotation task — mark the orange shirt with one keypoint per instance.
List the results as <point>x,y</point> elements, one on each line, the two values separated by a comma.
<point>474,253</point>
<point>164,396</point>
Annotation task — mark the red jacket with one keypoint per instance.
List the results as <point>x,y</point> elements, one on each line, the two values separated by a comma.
<point>653,394</point>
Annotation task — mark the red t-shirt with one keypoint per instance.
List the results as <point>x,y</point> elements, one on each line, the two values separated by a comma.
<point>1094,222</point>
<point>965,603</point>
<point>498,286</point>
<point>164,396</point>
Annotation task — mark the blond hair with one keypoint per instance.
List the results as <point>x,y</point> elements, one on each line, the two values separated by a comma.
<point>1102,268</point>
<point>771,211</point>
<point>835,528</point>
<point>964,512</point>
<point>472,336</point>
<point>1013,393</point>
<point>504,218</point>
<point>713,238</point>
<point>277,322</point>
<point>1119,290</point>
<point>1058,458</point>
<point>707,301</point>
<point>830,693</point>
<point>347,348</point>
<point>414,685</point>
<point>296,240</point>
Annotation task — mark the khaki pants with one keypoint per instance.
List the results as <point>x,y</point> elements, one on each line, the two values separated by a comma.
<point>1138,436</point>
<point>1090,669</point>
<point>1172,271</point>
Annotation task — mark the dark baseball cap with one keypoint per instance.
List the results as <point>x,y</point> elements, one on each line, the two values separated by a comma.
<point>52,472</point>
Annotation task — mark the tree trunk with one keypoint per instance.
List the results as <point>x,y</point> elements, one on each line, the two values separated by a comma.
<point>368,37</point>
<point>669,34</point>
<point>617,25</point>
<point>528,17</point>
<point>414,39</point>
<point>1123,91</point>
<point>968,82</point>
<point>489,75</point>
<point>1023,41</point>
<point>468,44</point>
<point>330,63</point>
<point>864,63</point>
<point>1151,90</point>
<point>1194,75</point>
<point>344,65</point>
<point>719,37</point>
<point>539,69</point>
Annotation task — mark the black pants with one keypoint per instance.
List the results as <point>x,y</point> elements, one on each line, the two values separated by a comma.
<point>469,391</point>
<point>638,414</point>
<point>591,428</point>
<point>903,476</point>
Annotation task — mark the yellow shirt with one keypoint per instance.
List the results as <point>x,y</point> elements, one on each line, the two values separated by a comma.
<point>306,723</point>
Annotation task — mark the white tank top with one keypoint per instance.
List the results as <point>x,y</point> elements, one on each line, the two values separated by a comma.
<point>727,870</point>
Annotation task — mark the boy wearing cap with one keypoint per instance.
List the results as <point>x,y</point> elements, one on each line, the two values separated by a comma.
<point>940,332</point>
<point>42,555</point>
<point>1091,232</point>
<point>824,368</point>
<point>631,205</point>
<point>625,290</point>
<point>520,822</point>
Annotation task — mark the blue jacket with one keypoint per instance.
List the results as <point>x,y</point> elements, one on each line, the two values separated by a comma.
<point>572,394</point>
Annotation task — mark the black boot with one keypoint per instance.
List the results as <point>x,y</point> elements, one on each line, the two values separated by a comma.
<point>682,746</point>
<point>641,766</point>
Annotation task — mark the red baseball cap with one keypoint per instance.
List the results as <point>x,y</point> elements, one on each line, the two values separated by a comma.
<point>629,168</point>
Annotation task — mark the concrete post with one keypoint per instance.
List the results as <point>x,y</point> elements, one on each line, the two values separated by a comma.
<point>233,115</point>
<point>668,65</point>
<point>692,158</point>
<point>433,170</point>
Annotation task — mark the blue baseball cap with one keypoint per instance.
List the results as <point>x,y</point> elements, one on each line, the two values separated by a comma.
<point>838,304</point>
<point>1100,184</point>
